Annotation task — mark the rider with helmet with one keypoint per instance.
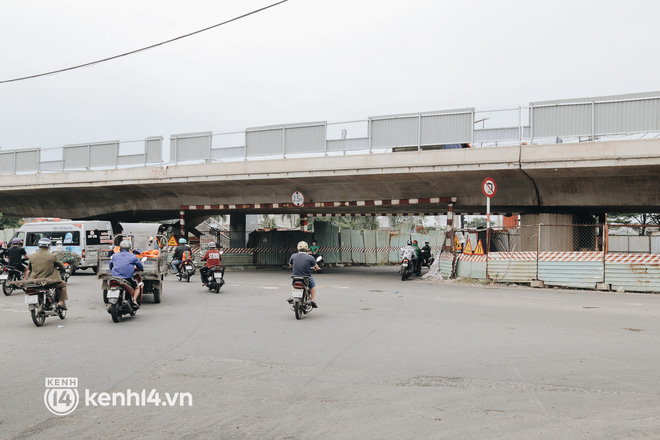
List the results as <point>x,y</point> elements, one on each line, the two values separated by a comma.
<point>177,259</point>
<point>416,258</point>
<point>123,265</point>
<point>46,265</point>
<point>16,254</point>
<point>212,258</point>
<point>3,253</point>
<point>302,263</point>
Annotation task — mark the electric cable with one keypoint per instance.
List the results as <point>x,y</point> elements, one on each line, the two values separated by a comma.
<point>143,48</point>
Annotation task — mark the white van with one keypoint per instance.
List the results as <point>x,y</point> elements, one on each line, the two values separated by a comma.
<point>85,237</point>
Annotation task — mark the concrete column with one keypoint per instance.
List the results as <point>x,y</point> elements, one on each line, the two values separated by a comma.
<point>449,236</point>
<point>237,231</point>
<point>303,222</point>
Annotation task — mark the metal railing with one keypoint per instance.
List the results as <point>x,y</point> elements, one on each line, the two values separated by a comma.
<point>631,116</point>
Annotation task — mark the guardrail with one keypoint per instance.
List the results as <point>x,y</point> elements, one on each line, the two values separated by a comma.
<point>575,120</point>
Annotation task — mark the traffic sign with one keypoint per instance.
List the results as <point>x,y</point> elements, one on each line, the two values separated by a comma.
<point>488,187</point>
<point>298,198</point>
<point>172,241</point>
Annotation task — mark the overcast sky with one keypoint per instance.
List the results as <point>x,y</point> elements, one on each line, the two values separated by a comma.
<point>305,60</point>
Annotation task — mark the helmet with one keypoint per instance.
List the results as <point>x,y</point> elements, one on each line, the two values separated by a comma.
<point>414,241</point>
<point>182,241</point>
<point>409,243</point>
<point>302,246</point>
<point>211,244</point>
<point>125,244</point>
<point>44,242</point>
<point>58,242</point>
<point>16,241</point>
<point>1,243</point>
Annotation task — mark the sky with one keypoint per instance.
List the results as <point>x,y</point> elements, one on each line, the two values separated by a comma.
<point>304,60</point>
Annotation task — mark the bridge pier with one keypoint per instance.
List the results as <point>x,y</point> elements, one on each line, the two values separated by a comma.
<point>237,230</point>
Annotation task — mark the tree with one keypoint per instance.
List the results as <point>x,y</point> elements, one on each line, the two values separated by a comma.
<point>478,223</point>
<point>634,219</point>
<point>9,223</point>
<point>354,223</point>
<point>268,222</point>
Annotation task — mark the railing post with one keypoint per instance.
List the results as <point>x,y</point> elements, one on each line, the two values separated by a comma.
<point>538,247</point>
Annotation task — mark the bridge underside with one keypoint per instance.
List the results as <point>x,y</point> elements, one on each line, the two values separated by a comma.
<point>593,178</point>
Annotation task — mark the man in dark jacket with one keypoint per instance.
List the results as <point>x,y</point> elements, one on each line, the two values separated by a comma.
<point>44,265</point>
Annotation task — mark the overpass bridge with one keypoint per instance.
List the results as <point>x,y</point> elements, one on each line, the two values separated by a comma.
<point>400,165</point>
<point>593,177</point>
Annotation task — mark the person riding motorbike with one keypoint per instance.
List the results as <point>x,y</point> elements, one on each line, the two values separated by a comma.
<point>66,256</point>
<point>45,265</point>
<point>16,255</point>
<point>302,263</point>
<point>123,265</point>
<point>417,260</point>
<point>212,258</point>
<point>177,259</point>
<point>314,249</point>
<point>425,253</point>
<point>3,253</point>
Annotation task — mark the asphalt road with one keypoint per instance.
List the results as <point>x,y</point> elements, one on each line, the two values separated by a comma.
<point>379,359</point>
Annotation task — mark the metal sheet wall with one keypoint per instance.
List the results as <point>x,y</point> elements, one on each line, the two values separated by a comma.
<point>511,271</point>
<point>190,146</point>
<point>627,116</point>
<point>153,149</point>
<point>27,161</point>
<point>383,245</point>
<point>103,154</point>
<point>633,277</point>
<point>471,269</point>
<point>561,120</point>
<point>370,247</point>
<point>447,128</point>
<point>75,157</point>
<point>327,236</point>
<point>265,142</point>
<point>357,245</point>
<point>346,243</point>
<point>309,139</point>
<point>395,132</point>
<point>580,274</point>
<point>7,162</point>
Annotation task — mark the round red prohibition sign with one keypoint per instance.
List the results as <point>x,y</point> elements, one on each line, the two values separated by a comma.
<point>488,187</point>
<point>298,198</point>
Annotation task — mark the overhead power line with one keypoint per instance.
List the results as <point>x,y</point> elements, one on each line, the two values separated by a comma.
<point>143,48</point>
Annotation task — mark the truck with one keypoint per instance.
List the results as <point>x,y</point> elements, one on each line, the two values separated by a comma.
<point>147,242</point>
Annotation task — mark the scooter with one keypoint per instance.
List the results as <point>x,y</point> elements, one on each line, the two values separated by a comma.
<point>67,272</point>
<point>7,275</point>
<point>120,297</point>
<point>186,270</point>
<point>40,298</point>
<point>301,297</point>
<point>215,278</point>
<point>406,268</point>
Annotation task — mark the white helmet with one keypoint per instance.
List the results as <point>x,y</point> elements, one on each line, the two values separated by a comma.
<point>44,242</point>
<point>211,244</point>
<point>302,246</point>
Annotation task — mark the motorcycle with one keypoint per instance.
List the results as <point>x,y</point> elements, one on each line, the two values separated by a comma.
<point>8,275</point>
<point>67,272</point>
<point>301,298</point>
<point>120,295</point>
<point>40,298</point>
<point>427,258</point>
<point>406,268</point>
<point>186,270</point>
<point>215,278</point>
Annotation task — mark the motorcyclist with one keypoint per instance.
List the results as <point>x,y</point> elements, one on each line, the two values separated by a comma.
<point>212,258</point>
<point>417,260</point>
<point>3,253</point>
<point>408,251</point>
<point>177,259</point>
<point>123,265</point>
<point>314,249</point>
<point>16,255</point>
<point>302,263</point>
<point>425,253</point>
<point>66,256</point>
<point>46,265</point>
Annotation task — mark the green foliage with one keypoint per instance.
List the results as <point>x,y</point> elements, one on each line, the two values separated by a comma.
<point>478,223</point>
<point>354,223</point>
<point>9,223</point>
<point>634,219</point>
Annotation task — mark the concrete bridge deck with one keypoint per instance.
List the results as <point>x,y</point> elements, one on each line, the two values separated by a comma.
<point>588,177</point>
